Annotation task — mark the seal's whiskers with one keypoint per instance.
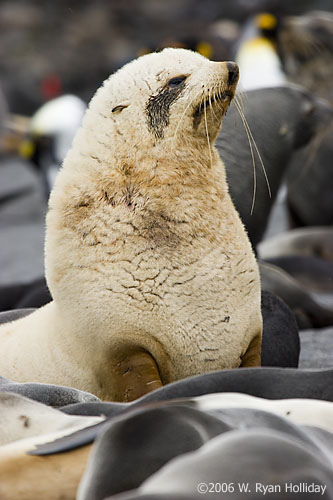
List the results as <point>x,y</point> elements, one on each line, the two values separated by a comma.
<point>183,114</point>
<point>241,114</point>
<point>251,138</point>
<point>210,103</point>
<point>240,98</point>
<point>207,134</point>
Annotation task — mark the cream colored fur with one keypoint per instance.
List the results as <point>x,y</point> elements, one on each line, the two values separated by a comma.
<point>51,477</point>
<point>23,418</point>
<point>144,248</point>
<point>300,411</point>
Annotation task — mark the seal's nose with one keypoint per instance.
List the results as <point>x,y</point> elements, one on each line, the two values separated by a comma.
<point>233,72</point>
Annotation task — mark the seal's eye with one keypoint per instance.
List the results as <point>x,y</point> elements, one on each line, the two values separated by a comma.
<point>119,108</point>
<point>175,82</point>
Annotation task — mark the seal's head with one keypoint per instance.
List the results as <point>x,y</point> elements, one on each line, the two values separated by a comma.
<point>169,95</point>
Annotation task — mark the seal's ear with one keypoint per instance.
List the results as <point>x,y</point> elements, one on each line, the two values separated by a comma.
<point>119,108</point>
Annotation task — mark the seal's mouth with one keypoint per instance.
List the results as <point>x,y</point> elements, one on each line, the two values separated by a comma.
<point>226,96</point>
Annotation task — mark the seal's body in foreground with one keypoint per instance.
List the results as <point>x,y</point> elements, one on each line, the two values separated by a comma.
<point>152,275</point>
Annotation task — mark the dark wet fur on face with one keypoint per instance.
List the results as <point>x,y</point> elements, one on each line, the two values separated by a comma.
<point>158,108</point>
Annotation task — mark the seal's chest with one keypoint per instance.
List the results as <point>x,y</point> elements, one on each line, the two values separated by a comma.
<point>172,280</point>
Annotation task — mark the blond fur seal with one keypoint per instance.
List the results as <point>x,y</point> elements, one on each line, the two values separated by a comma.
<point>151,272</point>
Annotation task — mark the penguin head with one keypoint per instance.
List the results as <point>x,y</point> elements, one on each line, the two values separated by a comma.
<point>258,56</point>
<point>267,26</point>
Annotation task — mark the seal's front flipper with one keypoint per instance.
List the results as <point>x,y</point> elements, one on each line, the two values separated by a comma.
<point>137,374</point>
<point>252,356</point>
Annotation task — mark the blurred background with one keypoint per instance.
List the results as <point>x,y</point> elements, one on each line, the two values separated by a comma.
<point>70,46</point>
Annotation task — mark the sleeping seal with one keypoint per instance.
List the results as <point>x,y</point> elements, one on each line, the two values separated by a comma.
<point>151,272</point>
